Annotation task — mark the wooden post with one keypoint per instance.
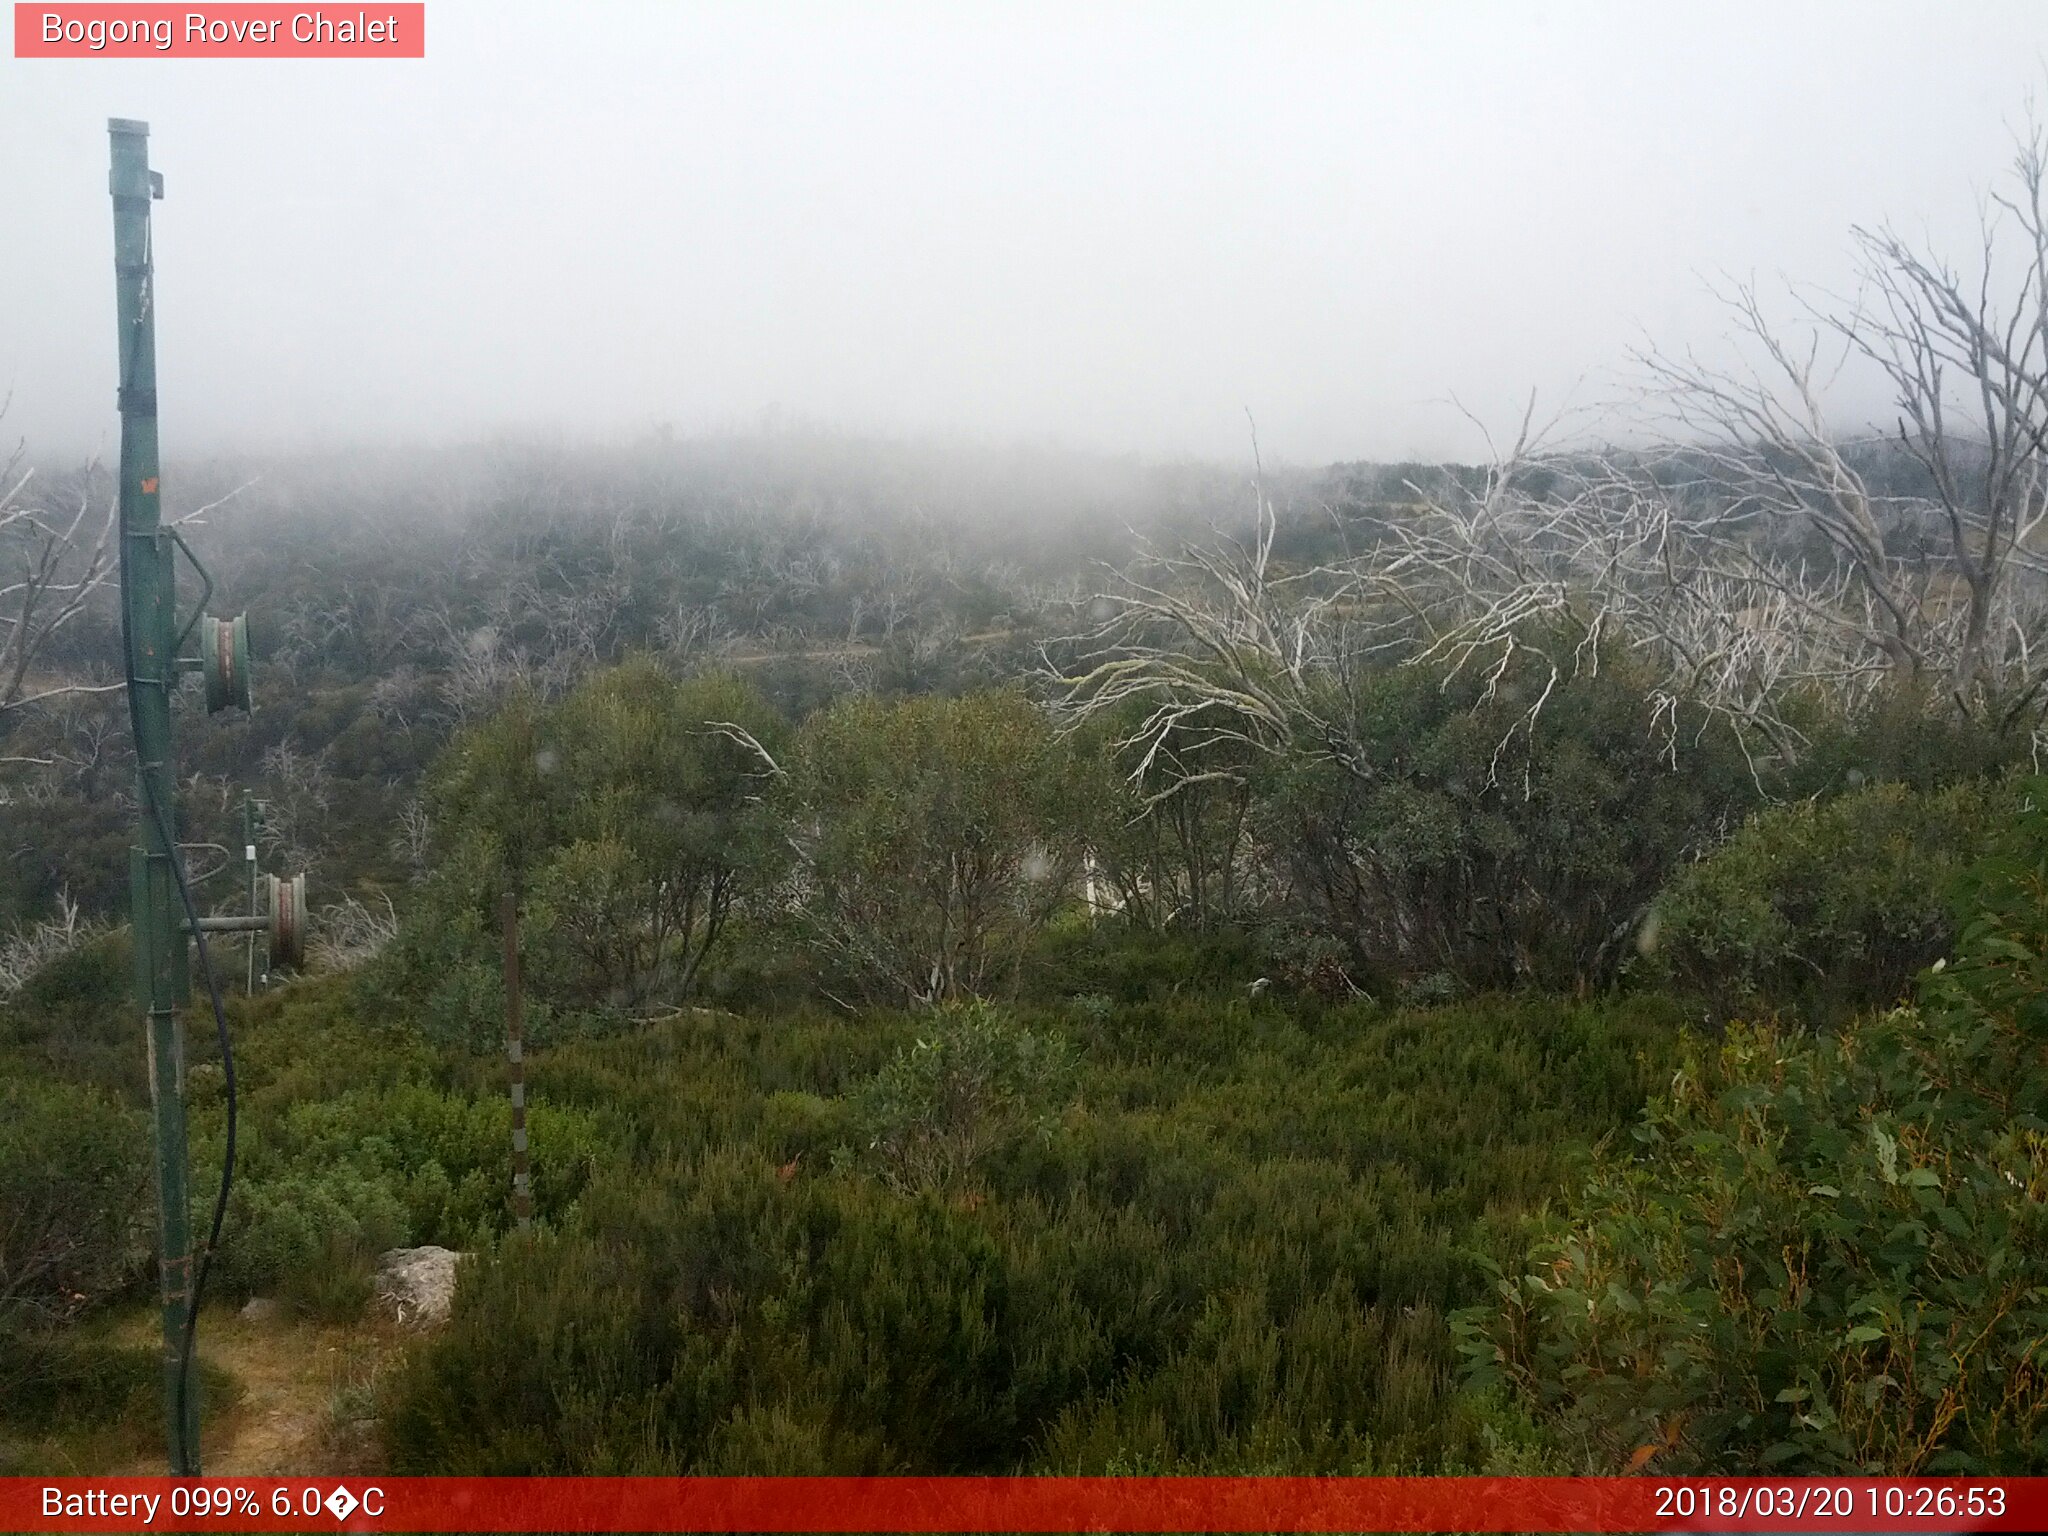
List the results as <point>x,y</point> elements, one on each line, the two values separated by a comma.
<point>249,858</point>
<point>522,1182</point>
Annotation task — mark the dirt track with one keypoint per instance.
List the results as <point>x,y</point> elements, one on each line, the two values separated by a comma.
<point>306,1395</point>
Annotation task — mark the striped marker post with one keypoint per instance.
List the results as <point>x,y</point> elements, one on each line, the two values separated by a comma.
<point>515,1050</point>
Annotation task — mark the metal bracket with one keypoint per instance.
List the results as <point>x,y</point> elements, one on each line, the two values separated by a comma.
<point>205,590</point>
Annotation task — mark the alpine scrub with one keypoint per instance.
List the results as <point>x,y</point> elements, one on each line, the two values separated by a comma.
<point>1822,1254</point>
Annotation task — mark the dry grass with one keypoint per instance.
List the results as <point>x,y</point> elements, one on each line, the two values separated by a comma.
<point>307,1401</point>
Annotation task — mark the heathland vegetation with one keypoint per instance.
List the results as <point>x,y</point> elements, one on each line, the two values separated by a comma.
<point>1536,967</point>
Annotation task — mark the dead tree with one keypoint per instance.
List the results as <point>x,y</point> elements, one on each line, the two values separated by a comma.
<point>57,554</point>
<point>54,556</point>
<point>1964,353</point>
<point>1745,552</point>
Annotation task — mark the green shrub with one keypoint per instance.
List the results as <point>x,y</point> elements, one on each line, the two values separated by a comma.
<point>1819,1264</point>
<point>341,1278</point>
<point>1827,1254</point>
<point>324,1186</point>
<point>1123,962</point>
<point>632,821</point>
<point>661,829</point>
<point>1829,907</point>
<point>75,1018</point>
<point>74,1181</point>
<point>1906,734</point>
<point>443,973</point>
<point>316,1037</point>
<point>1178,861</point>
<point>1454,835</point>
<point>973,1082</point>
<point>939,836</point>
<point>291,1228</point>
<point>1237,1253</point>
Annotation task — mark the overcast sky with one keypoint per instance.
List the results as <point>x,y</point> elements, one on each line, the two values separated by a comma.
<point>1111,225</point>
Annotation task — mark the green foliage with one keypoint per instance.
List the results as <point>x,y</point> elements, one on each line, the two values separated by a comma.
<point>308,1234</point>
<point>664,826</point>
<point>316,1037</point>
<point>73,1192</point>
<point>1237,1256</point>
<point>939,836</point>
<point>326,1185</point>
<point>1126,963</point>
<point>354,1137</point>
<point>1905,734</point>
<point>1830,907</point>
<point>967,1088</point>
<point>1827,1254</point>
<point>74,1019</point>
<point>1180,861</point>
<point>73,1234</point>
<point>74,843</point>
<point>2001,960</point>
<point>488,795</point>
<point>1237,1246</point>
<point>633,820</point>
<point>56,1380</point>
<point>1456,836</point>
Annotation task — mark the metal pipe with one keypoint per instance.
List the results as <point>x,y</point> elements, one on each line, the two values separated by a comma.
<point>149,616</point>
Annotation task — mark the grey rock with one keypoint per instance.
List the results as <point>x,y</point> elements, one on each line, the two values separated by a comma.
<point>416,1286</point>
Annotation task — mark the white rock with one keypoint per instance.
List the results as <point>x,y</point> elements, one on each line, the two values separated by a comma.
<point>416,1286</point>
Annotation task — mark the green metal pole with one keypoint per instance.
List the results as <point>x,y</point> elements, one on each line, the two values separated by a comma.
<point>148,613</point>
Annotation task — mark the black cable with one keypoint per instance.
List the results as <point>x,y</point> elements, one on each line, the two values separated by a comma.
<point>189,1343</point>
<point>227,1160</point>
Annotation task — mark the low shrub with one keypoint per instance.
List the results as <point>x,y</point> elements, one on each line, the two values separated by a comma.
<point>73,1201</point>
<point>1118,960</point>
<point>1824,907</point>
<point>972,1083</point>
<point>303,1227</point>
<point>328,1184</point>
<point>59,1381</point>
<point>345,1150</point>
<point>1826,1254</point>
<point>74,1017</point>
<point>1237,1253</point>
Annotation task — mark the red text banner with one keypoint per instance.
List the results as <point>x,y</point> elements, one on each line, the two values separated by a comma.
<point>975,1504</point>
<point>101,31</point>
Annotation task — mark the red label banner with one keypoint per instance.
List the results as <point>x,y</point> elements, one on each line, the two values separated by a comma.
<point>976,1504</point>
<point>374,31</point>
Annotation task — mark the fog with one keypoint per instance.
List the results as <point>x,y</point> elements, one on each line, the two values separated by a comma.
<point>1113,227</point>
